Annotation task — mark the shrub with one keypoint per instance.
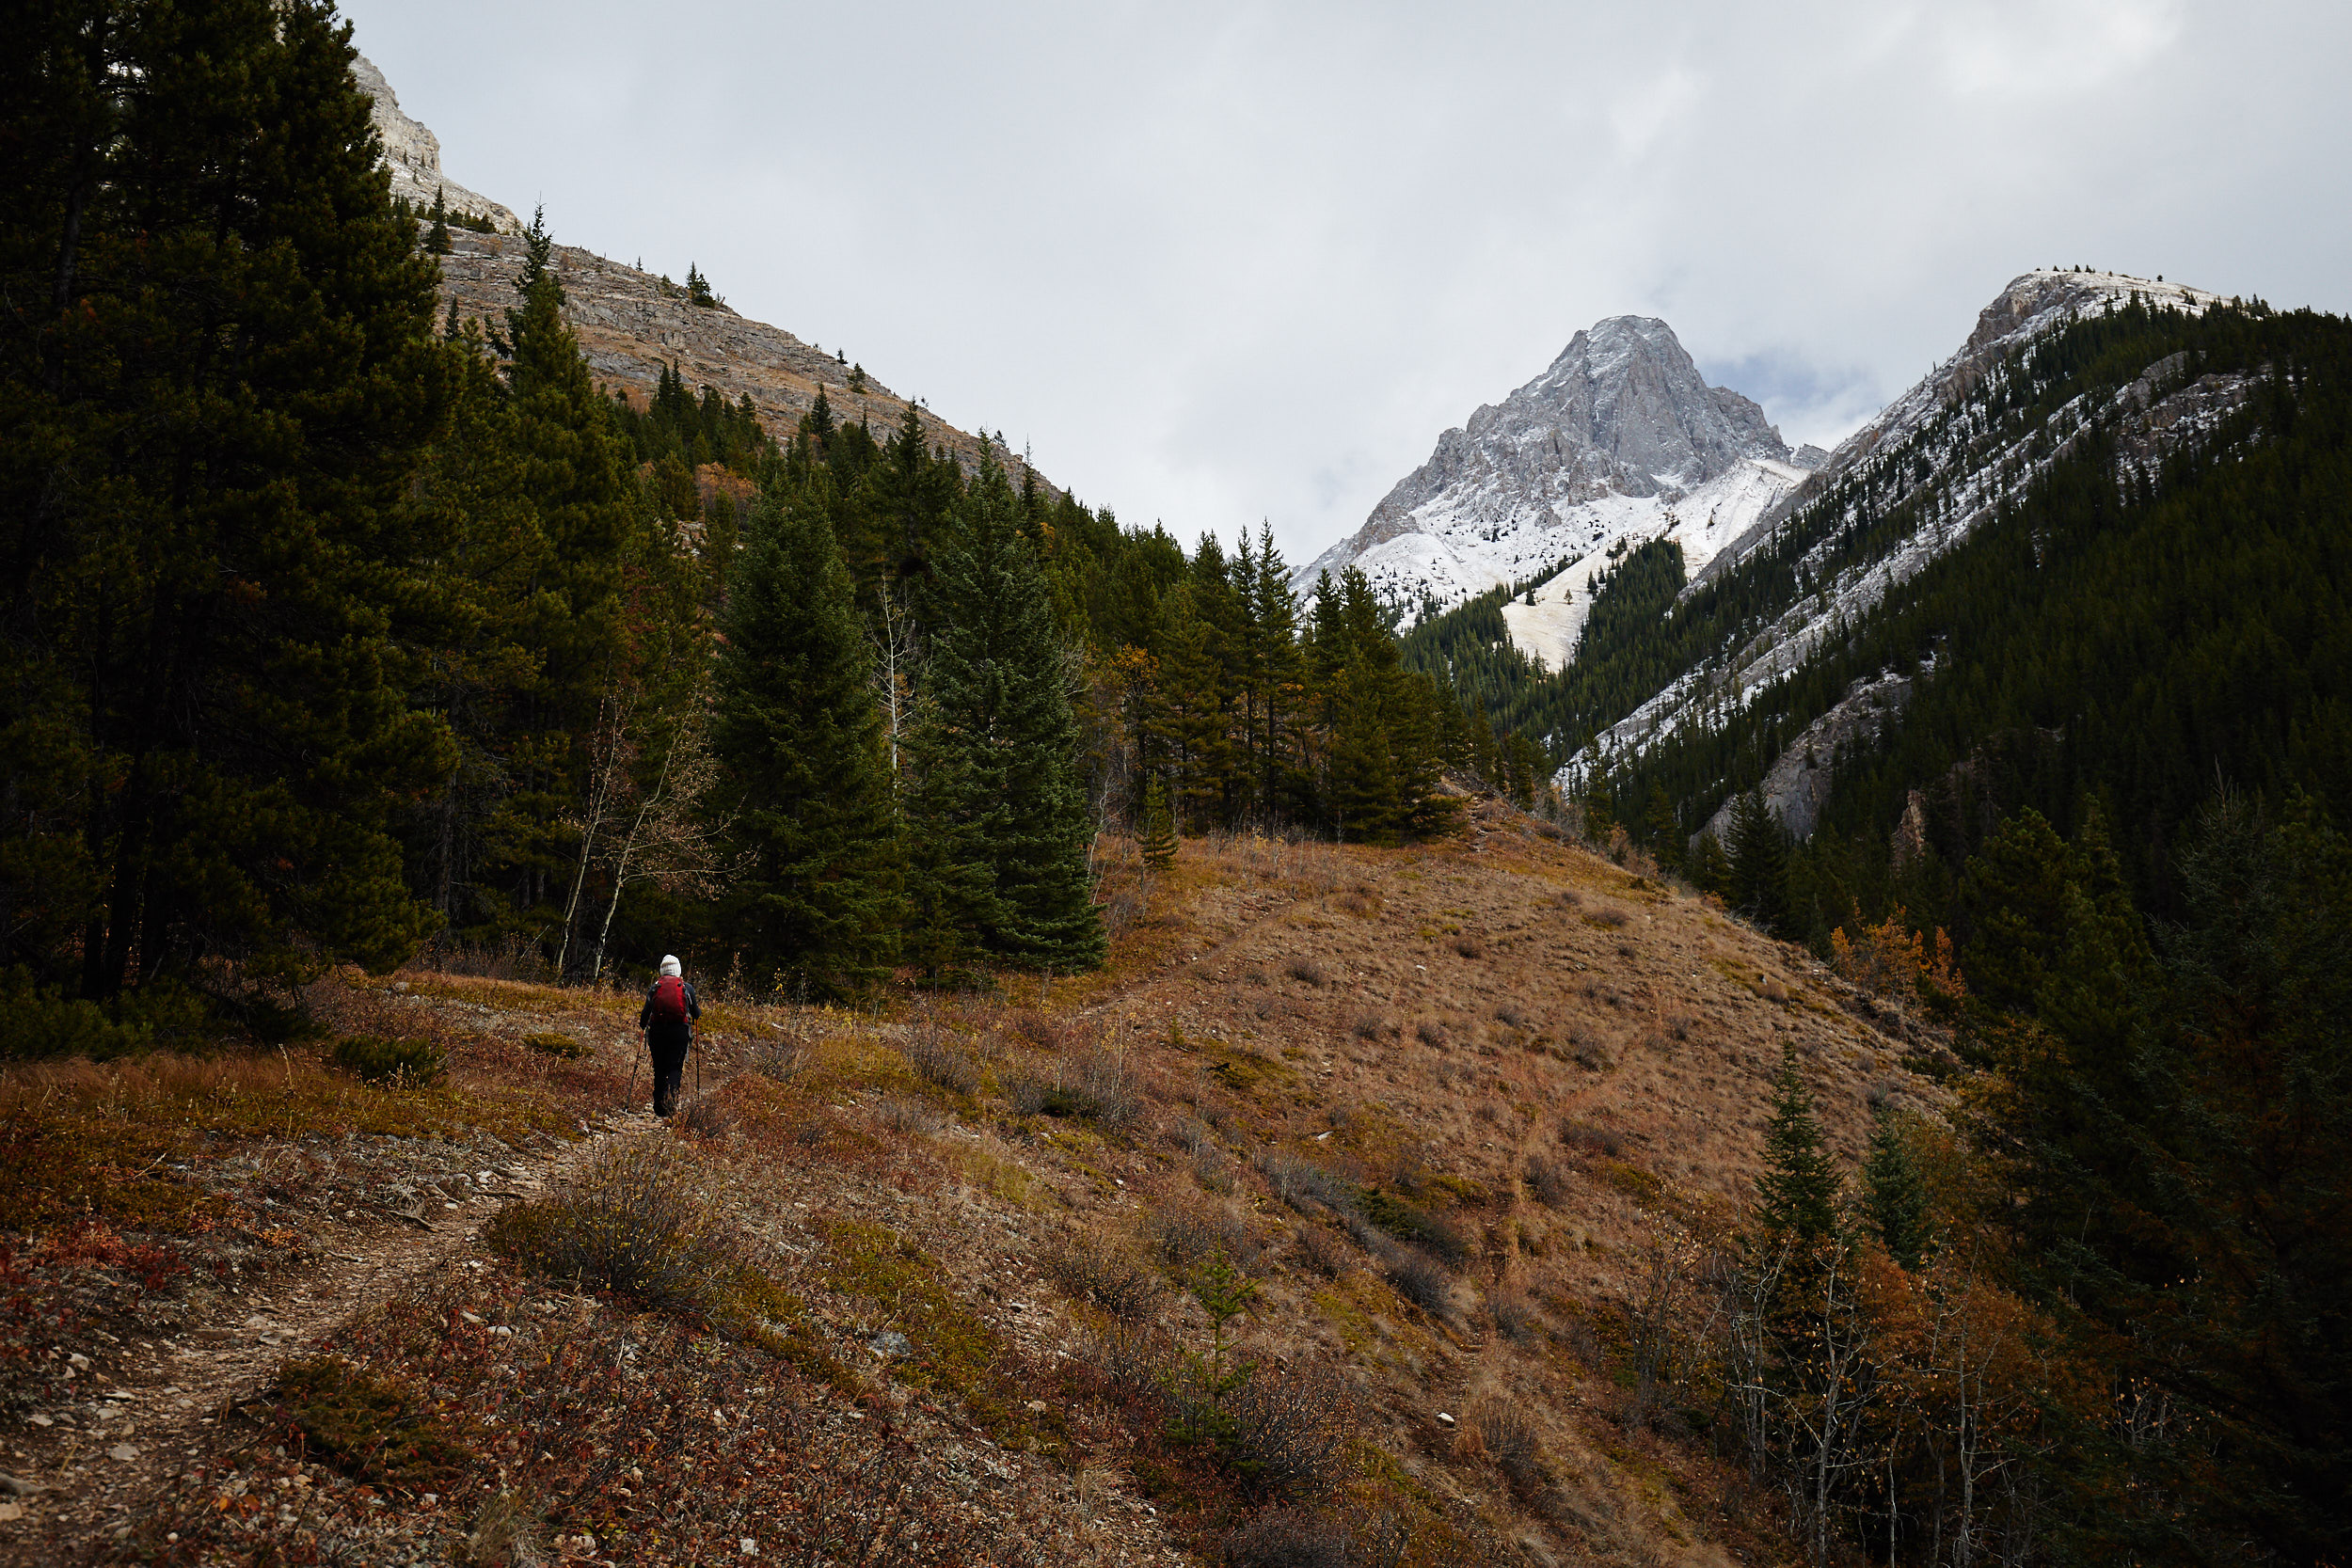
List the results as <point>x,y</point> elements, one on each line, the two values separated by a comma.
<point>1359,901</point>
<point>371,1427</point>
<point>1470,946</point>
<point>907,1115</point>
<point>1517,1317</point>
<point>1310,970</point>
<point>1299,1182</point>
<point>407,1064</point>
<point>1187,1238</point>
<point>1510,1442</point>
<point>937,1057</point>
<point>1409,1222</point>
<point>1370,1025</point>
<point>1288,1430</point>
<point>1584,1137</point>
<point>1609,917</point>
<point>1105,1274</point>
<point>780,1061</point>
<point>1095,1086</point>
<point>1288,1538</point>
<point>1037,1029</point>
<point>634,1221</point>
<point>1420,1279</point>
<point>1312,1538</point>
<point>1323,1250</point>
<point>1547,1183</point>
<point>555,1043</point>
<point>708,1116</point>
<point>1431,1033</point>
<point>1586,1051</point>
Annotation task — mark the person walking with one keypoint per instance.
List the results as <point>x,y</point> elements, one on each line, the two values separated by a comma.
<point>667,1023</point>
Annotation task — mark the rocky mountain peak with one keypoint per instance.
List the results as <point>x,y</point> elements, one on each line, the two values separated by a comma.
<point>1619,435</point>
<point>1626,390</point>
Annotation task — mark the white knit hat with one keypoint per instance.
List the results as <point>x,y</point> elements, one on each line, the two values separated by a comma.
<point>670,964</point>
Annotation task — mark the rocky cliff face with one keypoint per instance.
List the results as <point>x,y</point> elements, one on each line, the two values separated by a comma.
<point>631,323</point>
<point>1621,436</point>
<point>413,153</point>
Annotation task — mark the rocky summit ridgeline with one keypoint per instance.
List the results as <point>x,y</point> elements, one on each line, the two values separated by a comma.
<point>632,323</point>
<point>1620,439</point>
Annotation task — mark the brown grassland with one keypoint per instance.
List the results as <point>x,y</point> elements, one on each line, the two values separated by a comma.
<point>1352,1214</point>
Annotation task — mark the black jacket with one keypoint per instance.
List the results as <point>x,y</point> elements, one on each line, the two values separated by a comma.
<point>693,1004</point>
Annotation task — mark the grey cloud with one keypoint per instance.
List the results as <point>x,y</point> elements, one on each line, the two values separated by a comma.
<point>1223,261</point>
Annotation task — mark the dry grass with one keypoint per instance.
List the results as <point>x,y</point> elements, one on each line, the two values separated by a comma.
<point>635,1221</point>
<point>1308,971</point>
<point>1373,1186</point>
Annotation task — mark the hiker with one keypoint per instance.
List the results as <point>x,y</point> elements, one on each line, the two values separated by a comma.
<point>667,1023</point>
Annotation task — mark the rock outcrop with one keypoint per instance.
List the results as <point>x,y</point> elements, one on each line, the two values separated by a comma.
<point>413,153</point>
<point>632,323</point>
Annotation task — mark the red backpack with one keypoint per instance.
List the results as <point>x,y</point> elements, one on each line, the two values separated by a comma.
<point>669,1000</point>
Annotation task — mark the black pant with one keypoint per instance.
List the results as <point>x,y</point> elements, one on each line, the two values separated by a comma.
<point>668,1044</point>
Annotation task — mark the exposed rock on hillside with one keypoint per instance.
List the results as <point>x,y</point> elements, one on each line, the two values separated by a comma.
<point>1939,452</point>
<point>631,325</point>
<point>631,322</point>
<point>1621,436</point>
<point>413,153</point>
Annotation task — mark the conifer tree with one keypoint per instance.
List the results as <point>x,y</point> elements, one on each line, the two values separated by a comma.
<point>806,770</point>
<point>222,377</point>
<point>1000,822</point>
<point>1276,675</point>
<point>1664,833</point>
<point>2017,889</point>
<point>1759,859</point>
<point>1159,826</point>
<point>570,461</point>
<point>436,237</point>
<point>1894,1191</point>
<point>1187,708</point>
<point>1796,1197</point>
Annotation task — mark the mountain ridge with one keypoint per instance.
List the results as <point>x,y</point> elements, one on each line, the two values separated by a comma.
<point>1620,439</point>
<point>633,324</point>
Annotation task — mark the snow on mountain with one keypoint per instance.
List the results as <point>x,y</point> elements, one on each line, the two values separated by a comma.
<point>1620,439</point>
<point>1933,443</point>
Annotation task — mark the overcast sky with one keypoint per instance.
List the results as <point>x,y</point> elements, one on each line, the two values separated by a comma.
<point>1213,262</point>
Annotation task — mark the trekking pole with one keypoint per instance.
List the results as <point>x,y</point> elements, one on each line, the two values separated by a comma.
<point>697,1038</point>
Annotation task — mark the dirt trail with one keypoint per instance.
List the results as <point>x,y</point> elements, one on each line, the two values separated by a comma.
<point>96,1479</point>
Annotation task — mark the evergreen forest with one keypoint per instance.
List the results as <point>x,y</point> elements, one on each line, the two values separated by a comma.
<point>336,630</point>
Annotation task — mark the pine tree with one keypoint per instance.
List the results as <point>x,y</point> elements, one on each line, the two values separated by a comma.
<point>1663,832</point>
<point>998,747</point>
<point>1894,1191</point>
<point>2017,892</point>
<point>223,377</point>
<point>436,237</point>
<point>1758,858</point>
<point>807,767</point>
<point>1159,827</point>
<point>571,464</point>
<point>1796,1197</point>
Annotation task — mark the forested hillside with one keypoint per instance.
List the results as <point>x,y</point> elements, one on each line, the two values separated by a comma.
<point>2124,634</point>
<point>337,628</point>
